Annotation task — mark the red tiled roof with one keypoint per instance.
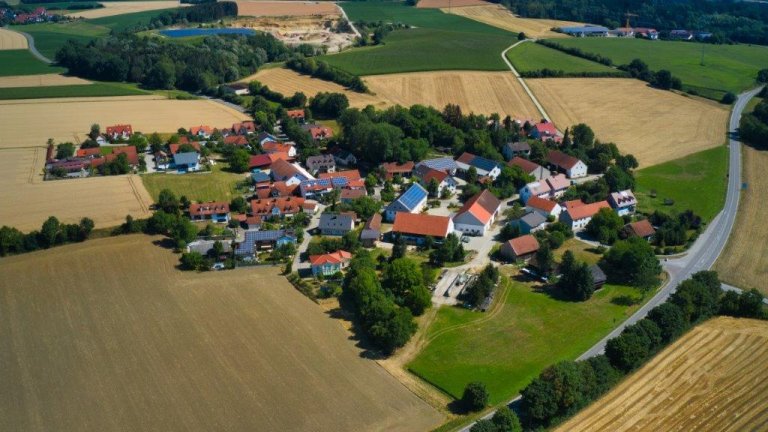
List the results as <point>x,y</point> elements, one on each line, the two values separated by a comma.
<point>561,159</point>
<point>421,224</point>
<point>350,175</point>
<point>396,168</point>
<point>275,147</point>
<point>286,205</point>
<point>119,129</point>
<point>260,160</point>
<point>374,222</point>
<point>208,208</point>
<point>295,114</point>
<point>573,204</point>
<point>174,148</point>
<point>238,140</point>
<point>195,130</point>
<point>253,220</point>
<point>129,151</point>
<point>546,129</point>
<point>466,158</point>
<point>524,245</point>
<point>430,174</point>
<point>283,169</point>
<point>330,258</point>
<point>524,164</point>
<point>93,151</point>
<point>482,206</point>
<point>249,126</point>
<point>352,193</point>
<point>320,132</point>
<point>541,204</point>
<point>641,228</point>
<point>587,210</point>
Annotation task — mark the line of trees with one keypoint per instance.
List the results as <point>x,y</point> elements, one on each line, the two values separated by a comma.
<point>754,125</point>
<point>578,52</point>
<point>320,69</point>
<point>554,73</point>
<point>662,79</point>
<point>51,233</point>
<point>563,389</point>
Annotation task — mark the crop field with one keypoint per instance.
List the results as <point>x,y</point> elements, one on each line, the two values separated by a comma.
<point>512,343</point>
<point>713,378</point>
<point>282,8</point>
<point>501,17</point>
<point>70,119</point>
<point>744,262</point>
<point>532,57</point>
<point>10,40</point>
<point>28,200</point>
<point>695,182</point>
<point>124,22</point>
<point>40,81</point>
<point>49,37</point>
<point>125,7</point>
<point>140,345</point>
<point>22,62</point>
<point>98,89</point>
<point>724,67</point>
<point>438,42</point>
<point>654,125</point>
<point>437,4</point>
<point>478,92</point>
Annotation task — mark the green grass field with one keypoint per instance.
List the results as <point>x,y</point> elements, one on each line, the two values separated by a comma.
<point>725,67</point>
<point>506,350</point>
<point>22,62</point>
<point>532,57</point>
<point>218,185</point>
<point>91,90</point>
<point>49,37</point>
<point>696,182</point>
<point>439,42</point>
<point>120,23</point>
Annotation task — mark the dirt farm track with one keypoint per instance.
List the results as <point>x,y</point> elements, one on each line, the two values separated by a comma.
<point>713,378</point>
<point>142,346</point>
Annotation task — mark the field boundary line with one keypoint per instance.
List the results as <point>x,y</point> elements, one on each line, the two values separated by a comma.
<point>32,48</point>
<point>520,79</point>
<point>35,156</point>
<point>142,204</point>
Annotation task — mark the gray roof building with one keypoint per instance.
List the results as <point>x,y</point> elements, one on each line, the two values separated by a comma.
<point>337,223</point>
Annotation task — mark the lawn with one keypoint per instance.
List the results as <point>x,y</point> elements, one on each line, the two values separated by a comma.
<point>725,67</point>
<point>22,62</point>
<point>532,57</point>
<point>696,182</point>
<point>439,42</point>
<point>92,90</point>
<point>509,346</point>
<point>49,37</point>
<point>218,185</point>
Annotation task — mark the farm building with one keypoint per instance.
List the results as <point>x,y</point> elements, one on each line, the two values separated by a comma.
<point>598,276</point>
<point>414,228</point>
<point>411,201</point>
<point>585,31</point>
<point>186,162</point>
<point>441,164</point>
<point>213,211</point>
<point>532,222</point>
<point>393,168</point>
<point>255,241</point>
<point>522,248</point>
<point>329,264</point>
<point>571,166</point>
<point>641,228</point>
<point>544,207</point>
<point>624,202</point>
<point>336,224</point>
<point>371,232</point>
<point>531,168</point>
<point>478,214</point>
<point>577,215</point>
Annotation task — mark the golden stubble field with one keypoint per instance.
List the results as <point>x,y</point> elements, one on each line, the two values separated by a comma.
<point>437,4</point>
<point>108,336</point>
<point>28,200</point>
<point>654,125</point>
<point>126,7</point>
<point>713,378</point>
<point>501,17</point>
<point>45,80</point>
<point>744,261</point>
<point>10,40</point>
<point>285,8</point>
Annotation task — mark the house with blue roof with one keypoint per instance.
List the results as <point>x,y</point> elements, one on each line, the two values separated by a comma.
<point>411,201</point>
<point>186,162</point>
<point>259,176</point>
<point>485,167</point>
<point>445,164</point>
<point>256,241</point>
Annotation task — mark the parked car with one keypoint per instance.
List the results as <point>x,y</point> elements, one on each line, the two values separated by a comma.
<point>218,266</point>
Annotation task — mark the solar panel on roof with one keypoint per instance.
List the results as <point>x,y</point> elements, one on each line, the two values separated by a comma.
<point>442,164</point>
<point>484,164</point>
<point>413,196</point>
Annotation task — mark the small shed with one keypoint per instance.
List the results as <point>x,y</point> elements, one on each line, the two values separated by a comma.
<point>598,275</point>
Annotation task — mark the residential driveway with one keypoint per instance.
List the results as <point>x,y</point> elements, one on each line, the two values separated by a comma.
<point>149,159</point>
<point>313,223</point>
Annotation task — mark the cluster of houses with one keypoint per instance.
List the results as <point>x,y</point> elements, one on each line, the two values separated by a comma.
<point>589,30</point>
<point>86,160</point>
<point>38,15</point>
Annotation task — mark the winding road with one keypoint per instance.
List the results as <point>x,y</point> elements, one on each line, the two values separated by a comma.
<point>704,252</point>
<point>33,49</point>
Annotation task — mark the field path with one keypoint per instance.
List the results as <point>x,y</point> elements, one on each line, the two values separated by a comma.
<point>522,82</point>
<point>33,49</point>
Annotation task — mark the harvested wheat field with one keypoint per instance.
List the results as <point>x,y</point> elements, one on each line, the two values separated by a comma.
<point>22,121</point>
<point>28,200</point>
<point>437,4</point>
<point>285,8</point>
<point>744,262</point>
<point>138,345</point>
<point>713,378</point>
<point>654,125</point>
<point>478,92</point>
<point>288,82</point>
<point>46,80</point>
<point>125,7</point>
<point>501,17</point>
<point>10,40</point>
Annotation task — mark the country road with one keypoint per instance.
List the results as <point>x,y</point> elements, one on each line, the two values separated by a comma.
<point>704,252</point>
<point>522,81</point>
<point>33,49</point>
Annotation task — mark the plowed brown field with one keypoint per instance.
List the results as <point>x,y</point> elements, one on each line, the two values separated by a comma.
<point>280,8</point>
<point>10,40</point>
<point>501,17</point>
<point>712,379</point>
<point>108,336</point>
<point>40,81</point>
<point>654,125</point>
<point>126,7</point>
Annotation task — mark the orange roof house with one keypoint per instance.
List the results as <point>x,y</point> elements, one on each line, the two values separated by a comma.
<point>478,214</point>
<point>579,216</point>
<point>330,263</point>
<point>419,225</point>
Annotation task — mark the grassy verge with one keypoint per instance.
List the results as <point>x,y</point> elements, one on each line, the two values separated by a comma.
<point>509,346</point>
<point>217,185</point>
<point>711,70</point>
<point>88,90</point>
<point>528,57</point>
<point>438,42</point>
<point>22,62</point>
<point>696,182</point>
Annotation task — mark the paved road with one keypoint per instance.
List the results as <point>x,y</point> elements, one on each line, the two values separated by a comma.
<point>707,248</point>
<point>522,82</point>
<point>33,49</point>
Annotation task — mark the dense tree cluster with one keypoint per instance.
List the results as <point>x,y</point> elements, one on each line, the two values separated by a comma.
<point>632,262</point>
<point>754,126</point>
<point>738,21</point>
<point>322,70</point>
<point>483,286</point>
<point>387,325</point>
<point>166,65</point>
<point>605,226</point>
<point>450,250</point>
<point>328,105</point>
<point>404,280</point>
<point>662,79</point>
<point>503,420</point>
<point>564,388</point>
<point>374,32</point>
<point>576,280</point>
<point>298,100</point>
<point>673,230</point>
<point>52,233</point>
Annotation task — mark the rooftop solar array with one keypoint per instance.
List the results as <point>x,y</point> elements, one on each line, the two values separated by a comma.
<point>253,236</point>
<point>442,164</point>
<point>484,164</point>
<point>413,196</point>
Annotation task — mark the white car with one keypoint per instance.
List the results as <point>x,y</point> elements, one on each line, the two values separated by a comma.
<point>218,266</point>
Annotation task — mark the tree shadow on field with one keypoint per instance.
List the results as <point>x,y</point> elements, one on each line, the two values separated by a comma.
<point>368,350</point>
<point>165,243</point>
